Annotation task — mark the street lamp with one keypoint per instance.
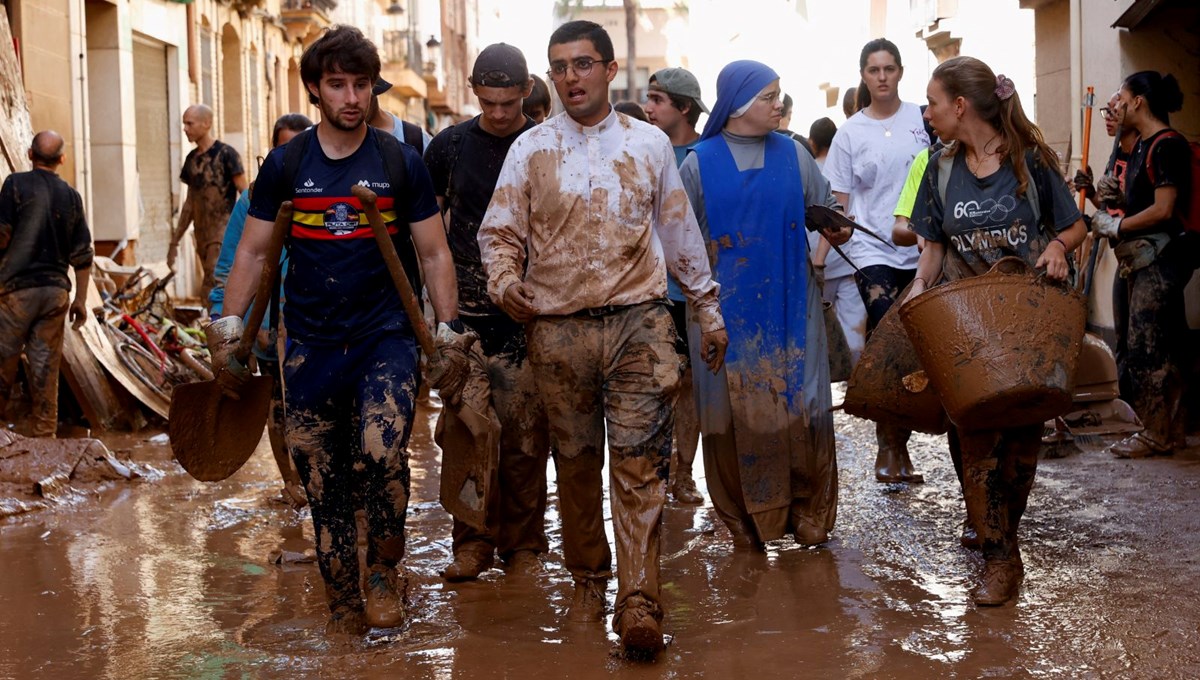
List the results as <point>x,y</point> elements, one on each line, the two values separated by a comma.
<point>433,53</point>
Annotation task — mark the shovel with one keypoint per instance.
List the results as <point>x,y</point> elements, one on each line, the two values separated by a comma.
<point>468,430</point>
<point>212,434</point>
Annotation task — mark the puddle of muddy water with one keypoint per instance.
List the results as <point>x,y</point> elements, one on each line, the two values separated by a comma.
<point>170,580</point>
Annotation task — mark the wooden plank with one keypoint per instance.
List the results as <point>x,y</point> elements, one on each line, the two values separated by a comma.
<point>16,130</point>
<point>88,383</point>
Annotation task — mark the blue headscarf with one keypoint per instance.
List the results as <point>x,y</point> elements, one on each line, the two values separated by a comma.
<point>738,82</point>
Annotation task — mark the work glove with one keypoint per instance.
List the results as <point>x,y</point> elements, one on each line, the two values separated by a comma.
<point>450,364</point>
<point>1083,182</point>
<point>1104,224</point>
<point>1109,194</point>
<point>222,337</point>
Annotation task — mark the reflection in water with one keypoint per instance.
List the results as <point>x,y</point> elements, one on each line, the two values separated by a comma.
<point>170,579</point>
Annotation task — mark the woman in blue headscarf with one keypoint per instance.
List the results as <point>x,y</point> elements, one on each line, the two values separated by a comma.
<point>768,433</point>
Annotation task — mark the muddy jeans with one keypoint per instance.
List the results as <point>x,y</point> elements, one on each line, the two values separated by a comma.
<point>617,371</point>
<point>34,319</point>
<point>517,507</point>
<point>1151,326</point>
<point>880,287</point>
<point>349,414</point>
<point>998,468</point>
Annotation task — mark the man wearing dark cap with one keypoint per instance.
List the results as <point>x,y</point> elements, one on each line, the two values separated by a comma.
<point>413,135</point>
<point>673,105</point>
<point>464,162</point>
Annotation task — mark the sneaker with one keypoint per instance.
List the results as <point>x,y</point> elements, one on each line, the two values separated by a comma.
<point>588,603</point>
<point>684,489</point>
<point>998,583</point>
<point>346,622</point>
<point>1137,446</point>
<point>468,565</point>
<point>385,598</point>
<point>640,634</point>
<point>524,563</point>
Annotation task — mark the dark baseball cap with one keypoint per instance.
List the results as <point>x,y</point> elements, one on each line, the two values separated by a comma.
<point>679,82</point>
<point>381,86</point>
<point>500,65</point>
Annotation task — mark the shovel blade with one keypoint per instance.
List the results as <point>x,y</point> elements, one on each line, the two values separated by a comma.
<point>212,436</point>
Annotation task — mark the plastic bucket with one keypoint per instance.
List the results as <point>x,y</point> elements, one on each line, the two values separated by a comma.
<point>999,349</point>
<point>877,390</point>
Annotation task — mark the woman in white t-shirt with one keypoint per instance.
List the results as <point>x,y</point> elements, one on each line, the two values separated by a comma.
<point>867,165</point>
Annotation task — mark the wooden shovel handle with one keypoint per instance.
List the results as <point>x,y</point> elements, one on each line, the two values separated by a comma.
<point>283,220</point>
<point>407,297</point>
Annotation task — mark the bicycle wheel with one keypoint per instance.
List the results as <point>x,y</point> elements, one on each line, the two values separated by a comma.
<point>144,366</point>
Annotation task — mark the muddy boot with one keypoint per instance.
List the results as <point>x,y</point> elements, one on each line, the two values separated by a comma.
<point>683,487</point>
<point>346,622</point>
<point>640,634</point>
<point>468,565</point>
<point>808,534</point>
<point>386,596</point>
<point>887,460</point>
<point>998,583</point>
<point>588,603</point>
<point>524,563</point>
<point>907,474</point>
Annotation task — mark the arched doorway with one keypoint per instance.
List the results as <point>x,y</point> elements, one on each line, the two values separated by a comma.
<point>232,101</point>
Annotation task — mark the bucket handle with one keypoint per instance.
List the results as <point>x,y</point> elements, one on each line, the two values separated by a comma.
<point>1013,265</point>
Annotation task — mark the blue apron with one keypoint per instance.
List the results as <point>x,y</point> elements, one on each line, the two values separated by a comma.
<point>756,227</point>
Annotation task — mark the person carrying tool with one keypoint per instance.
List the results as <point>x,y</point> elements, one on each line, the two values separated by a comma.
<point>867,165</point>
<point>1126,137</point>
<point>43,231</point>
<point>768,431</point>
<point>351,367</point>
<point>287,126</point>
<point>587,218</point>
<point>464,162</point>
<point>215,176</point>
<point>993,192</point>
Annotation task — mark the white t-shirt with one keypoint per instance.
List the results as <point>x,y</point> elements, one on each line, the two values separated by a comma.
<point>869,160</point>
<point>835,265</point>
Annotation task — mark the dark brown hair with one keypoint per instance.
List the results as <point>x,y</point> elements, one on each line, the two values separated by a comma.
<point>974,81</point>
<point>343,49</point>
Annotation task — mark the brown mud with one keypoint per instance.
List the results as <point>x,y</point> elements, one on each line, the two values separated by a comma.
<point>172,580</point>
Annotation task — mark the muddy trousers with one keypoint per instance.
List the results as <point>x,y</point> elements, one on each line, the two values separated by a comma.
<point>998,468</point>
<point>517,505</point>
<point>685,434</point>
<point>34,319</point>
<point>349,414</point>
<point>1151,328</point>
<point>880,287</point>
<point>617,371</point>
<point>209,251</point>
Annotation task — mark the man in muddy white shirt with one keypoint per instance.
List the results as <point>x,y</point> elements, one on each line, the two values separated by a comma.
<point>588,216</point>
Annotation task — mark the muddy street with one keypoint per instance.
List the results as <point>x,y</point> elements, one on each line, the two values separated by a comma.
<point>170,578</point>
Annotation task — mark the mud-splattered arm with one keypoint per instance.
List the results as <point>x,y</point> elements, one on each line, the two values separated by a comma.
<point>683,246</point>
<point>505,227</point>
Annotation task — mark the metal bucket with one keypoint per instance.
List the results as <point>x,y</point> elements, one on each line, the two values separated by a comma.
<point>878,389</point>
<point>999,349</point>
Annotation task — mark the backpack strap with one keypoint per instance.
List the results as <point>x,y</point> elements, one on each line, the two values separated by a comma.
<point>413,136</point>
<point>293,154</point>
<point>1154,145</point>
<point>1033,194</point>
<point>456,142</point>
<point>392,152</point>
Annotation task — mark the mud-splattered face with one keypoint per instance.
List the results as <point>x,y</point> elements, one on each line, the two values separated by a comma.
<point>344,99</point>
<point>501,106</point>
<point>943,112</point>
<point>584,96</point>
<point>882,75</point>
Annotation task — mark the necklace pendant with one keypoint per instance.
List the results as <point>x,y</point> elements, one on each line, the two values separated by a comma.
<point>887,133</point>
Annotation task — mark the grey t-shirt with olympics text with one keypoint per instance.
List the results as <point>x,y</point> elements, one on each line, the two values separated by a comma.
<point>986,219</point>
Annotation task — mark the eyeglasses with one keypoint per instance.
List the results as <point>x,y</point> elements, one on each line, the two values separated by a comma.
<point>494,79</point>
<point>1108,113</point>
<point>770,98</point>
<point>582,66</point>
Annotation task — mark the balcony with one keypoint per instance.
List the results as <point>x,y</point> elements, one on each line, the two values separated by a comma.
<point>305,19</point>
